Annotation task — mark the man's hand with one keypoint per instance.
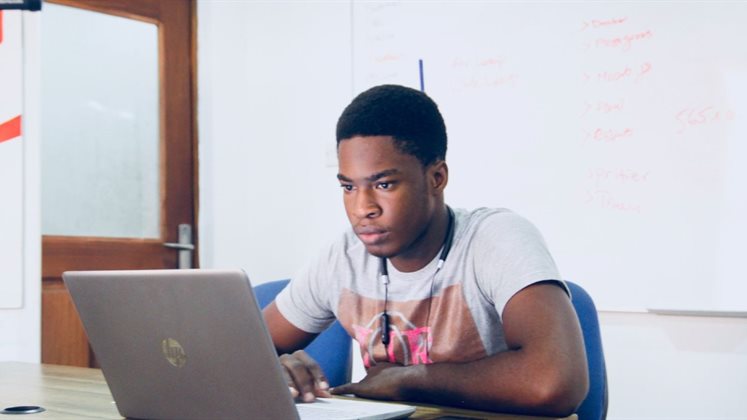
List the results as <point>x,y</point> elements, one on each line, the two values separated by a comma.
<point>303,375</point>
<point>383,382</point>
<point>305,378</point>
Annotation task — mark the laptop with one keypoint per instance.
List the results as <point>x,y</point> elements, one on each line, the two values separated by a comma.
<point>192,344</point>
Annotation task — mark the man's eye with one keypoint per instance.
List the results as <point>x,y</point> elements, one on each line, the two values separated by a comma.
<point>346,187</point>
<point>384,185</point>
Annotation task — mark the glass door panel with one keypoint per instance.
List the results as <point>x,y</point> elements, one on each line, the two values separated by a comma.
<point>100,125</point>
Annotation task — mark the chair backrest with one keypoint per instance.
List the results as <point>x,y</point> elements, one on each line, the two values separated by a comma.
<point>594,407</point>
<point>331,349</point>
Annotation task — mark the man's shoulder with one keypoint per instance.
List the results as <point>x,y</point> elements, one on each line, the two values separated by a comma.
<point>480,218</point>
<point>494,227</point>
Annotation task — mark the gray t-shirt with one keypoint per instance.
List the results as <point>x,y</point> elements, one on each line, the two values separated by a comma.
<point>449,315</point>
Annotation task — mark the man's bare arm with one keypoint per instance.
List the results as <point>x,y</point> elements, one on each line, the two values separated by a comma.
<point>543,372</point>
<point>304,376</point>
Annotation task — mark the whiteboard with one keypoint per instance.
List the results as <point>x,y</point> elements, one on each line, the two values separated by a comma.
<point>11,162</point>
<point>619,129</point>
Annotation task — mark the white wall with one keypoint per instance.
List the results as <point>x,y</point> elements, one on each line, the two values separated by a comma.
<point>20,328</point>
<point>268,194</point>
<point>269,201</point>
<point>675,367</point>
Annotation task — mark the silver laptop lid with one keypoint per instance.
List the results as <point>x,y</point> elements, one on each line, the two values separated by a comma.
<point>188,344</point>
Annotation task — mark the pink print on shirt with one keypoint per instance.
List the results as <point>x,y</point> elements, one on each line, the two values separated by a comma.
<point>437,329</point>
<point>414,342</point>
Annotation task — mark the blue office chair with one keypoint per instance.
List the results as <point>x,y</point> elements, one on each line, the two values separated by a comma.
<point>331,349</point>
<point>594,407</point>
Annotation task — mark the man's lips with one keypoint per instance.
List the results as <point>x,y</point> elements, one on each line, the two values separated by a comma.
<point>370,235</point>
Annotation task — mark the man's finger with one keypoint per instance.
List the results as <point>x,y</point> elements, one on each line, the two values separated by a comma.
<point>344,389</point>
<point>298,377</point>
<point>289,381</point>
<point>321,383</point>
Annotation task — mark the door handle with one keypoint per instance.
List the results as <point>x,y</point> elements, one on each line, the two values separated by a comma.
<point>184,246</point>
<point>179,246</point>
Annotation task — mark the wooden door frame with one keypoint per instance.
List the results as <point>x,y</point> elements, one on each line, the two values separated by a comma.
<point>116,253</point>
<point>63,253</point>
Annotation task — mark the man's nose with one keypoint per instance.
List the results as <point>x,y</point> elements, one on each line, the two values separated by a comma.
<point>365,204</point>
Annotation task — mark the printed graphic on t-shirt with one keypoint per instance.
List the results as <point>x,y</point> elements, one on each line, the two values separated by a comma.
<point>437,329</point>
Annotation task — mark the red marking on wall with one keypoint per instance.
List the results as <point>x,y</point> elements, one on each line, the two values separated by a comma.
<point>1,26</point>
<point>605,176</point>
<point>601,135</point>
<point>10,129</point>
<point>387,58</point>
<point>704,115</point>
<point>608,201</point>
<point>624,42</point>
<point>601,23</point>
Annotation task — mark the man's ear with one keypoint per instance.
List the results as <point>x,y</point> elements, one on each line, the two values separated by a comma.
<point>438,176</point>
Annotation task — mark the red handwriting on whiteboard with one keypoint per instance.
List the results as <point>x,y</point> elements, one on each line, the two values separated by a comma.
<point>623,176</point>
<point>603,107</point>
<point>493,61</point>
<point>381,77</point>
<point>644,69</point>
<point>628,73</point>
<point>624,42</point>
<point>483,72</point>
<point>602,135</point>
<point>606,200</point>
<point>387,58</point>
<point>490,81</point>
<point>699,116</point>
<point>614,76</point>
<point>602,23</point>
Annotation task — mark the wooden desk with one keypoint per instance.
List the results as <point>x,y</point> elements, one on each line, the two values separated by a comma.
<point>81,393</point>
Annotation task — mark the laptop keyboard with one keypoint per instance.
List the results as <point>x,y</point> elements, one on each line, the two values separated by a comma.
<point>322,412</point>
<point>350,409</point>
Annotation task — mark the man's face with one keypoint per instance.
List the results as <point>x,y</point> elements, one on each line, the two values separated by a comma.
<point>387,194</point>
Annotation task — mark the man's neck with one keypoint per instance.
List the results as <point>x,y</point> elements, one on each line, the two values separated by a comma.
<point>425,248</point>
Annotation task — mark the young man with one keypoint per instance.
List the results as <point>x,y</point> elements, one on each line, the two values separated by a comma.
<point>452,307</point>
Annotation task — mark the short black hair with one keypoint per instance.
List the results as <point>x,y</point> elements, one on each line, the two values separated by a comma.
<point>409,116</point>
